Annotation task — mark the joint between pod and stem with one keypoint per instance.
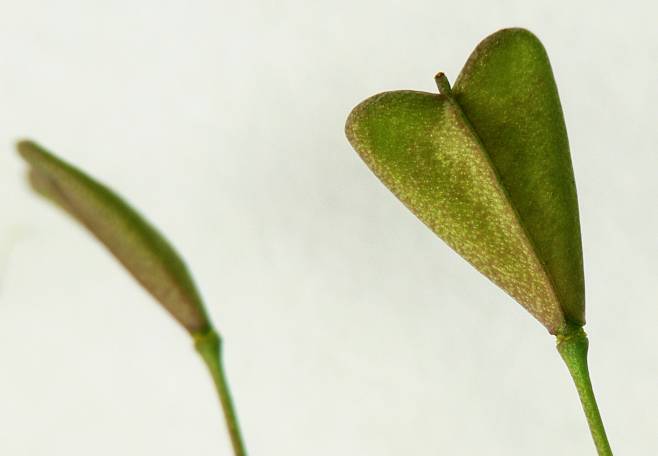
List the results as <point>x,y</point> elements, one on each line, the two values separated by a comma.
<point>208,343</point>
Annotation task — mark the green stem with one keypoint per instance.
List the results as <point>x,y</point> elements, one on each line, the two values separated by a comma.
<point>573,349</point>
<point>209,346</point>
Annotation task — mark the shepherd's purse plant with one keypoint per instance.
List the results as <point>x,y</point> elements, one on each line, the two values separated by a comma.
<point>486,166</point>
<point>143,251</point>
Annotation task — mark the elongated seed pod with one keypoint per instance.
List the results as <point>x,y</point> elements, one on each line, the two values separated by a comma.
<point>148,256</point>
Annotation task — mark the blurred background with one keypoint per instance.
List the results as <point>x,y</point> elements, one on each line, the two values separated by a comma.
<point>350,329</point>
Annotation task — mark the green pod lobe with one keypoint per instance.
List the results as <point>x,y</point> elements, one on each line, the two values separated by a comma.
<point>134,242</point>
<point>492,176</point>
<point>508,92</point>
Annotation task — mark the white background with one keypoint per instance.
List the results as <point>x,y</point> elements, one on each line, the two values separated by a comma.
<point>350,328</point>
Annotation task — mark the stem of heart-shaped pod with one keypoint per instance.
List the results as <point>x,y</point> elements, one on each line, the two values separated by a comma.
<point>573,346</point>
<point>209,346</point>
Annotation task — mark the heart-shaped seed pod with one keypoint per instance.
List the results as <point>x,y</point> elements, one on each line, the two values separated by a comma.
<point>487,167</point>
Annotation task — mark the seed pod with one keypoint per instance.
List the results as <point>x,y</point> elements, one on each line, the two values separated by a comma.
<point>134,242</point>
<point>486,166</point>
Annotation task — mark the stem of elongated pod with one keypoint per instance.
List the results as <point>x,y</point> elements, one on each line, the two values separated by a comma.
<point>572,346</point>
<point>209,346</point>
